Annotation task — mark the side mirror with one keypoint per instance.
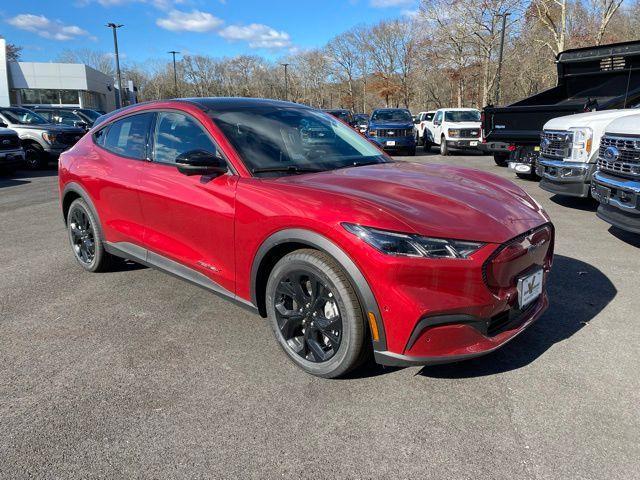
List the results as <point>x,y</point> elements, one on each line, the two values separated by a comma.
<point>201,162</point>
<point>82,125</point>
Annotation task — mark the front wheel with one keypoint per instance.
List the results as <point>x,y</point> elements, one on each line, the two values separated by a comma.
<point>501,159</point>
<point>444,148</point>
<point>315,313</point>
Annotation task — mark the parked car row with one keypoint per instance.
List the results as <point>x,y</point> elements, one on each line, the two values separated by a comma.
<point>42,134</point>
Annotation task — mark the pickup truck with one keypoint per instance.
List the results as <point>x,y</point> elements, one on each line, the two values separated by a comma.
<point>595,78</point>
<point>392,129</point>
<point>42,141</point>
<point>454,128</point>
<point>569,151</point>
<point>616,183</point>
<point>11,152</point>
<point>421,121</point>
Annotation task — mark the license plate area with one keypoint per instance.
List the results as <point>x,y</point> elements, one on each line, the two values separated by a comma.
<point>529,288</point>
<point>391,143</point>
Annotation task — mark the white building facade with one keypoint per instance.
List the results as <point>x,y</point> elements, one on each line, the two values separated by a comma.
<point>54,84</point>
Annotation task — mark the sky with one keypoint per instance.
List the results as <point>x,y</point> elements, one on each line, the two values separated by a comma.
<point>219,28</point>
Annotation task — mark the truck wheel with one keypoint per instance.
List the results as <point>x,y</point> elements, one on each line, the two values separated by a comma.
<point>426,144</point>
<point>444,149</point>
<point>34,156</point>
<point>501,159</point>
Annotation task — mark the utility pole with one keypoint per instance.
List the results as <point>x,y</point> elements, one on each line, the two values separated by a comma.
<point>175,75</point>
<point>286,82</point>
<point>499,72</point>
<point>114,27</point>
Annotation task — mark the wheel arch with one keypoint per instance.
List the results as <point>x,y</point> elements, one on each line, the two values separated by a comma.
<point>71,192</point>
<point>285,241</point>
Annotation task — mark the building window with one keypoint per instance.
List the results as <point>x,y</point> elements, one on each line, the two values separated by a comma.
<point>69,97</point>
<point>31,96</point>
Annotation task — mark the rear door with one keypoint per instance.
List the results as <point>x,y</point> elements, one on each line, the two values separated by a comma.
<point>189,219</point>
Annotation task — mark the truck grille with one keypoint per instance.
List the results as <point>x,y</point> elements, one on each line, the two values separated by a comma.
<point>9,142</point>
<point>556,144</point>
<point>620,155</point>
<point>469,133</point>
<point>68,138</point>
<point>394,132</point>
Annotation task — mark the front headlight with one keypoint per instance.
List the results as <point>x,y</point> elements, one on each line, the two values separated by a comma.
<point>372,133</point>
<point>49,137</point>
<point>409,245</point>
<point>454,132</point>
<point>582,143</point>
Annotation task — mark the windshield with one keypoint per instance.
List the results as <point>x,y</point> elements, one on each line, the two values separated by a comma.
<point>391,116</point>
<point>90,115</point>
<point>22,116</point>
<point>293,140</point>
<point>362,119</point>
<point>341,114</point>
<point>456,116</point>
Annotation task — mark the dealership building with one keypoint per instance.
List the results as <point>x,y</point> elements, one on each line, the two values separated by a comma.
<point>51,84</point>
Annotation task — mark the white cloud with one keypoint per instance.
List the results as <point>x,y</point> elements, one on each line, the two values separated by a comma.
<point>257,35</point>
<point>51,29</point>
<point>390,3</point>
<point>161,4</point>
<point>194,21</point>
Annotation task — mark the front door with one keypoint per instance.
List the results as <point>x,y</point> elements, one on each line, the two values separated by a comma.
<point>189,219</point>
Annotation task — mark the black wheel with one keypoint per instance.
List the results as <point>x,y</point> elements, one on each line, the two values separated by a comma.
<point>501,159</point>
<point>86,238</point>
<point>426,144</point>
<point>315,313</point>
<point>444,148</point>
<point>34,156</point>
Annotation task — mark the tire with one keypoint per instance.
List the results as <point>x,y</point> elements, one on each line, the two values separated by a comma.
<point>444,148</point>
<point>426,144</point>
<point>85,235</point>
<point>295,309</point>
<point>34,156</point>
<point>501,159</point>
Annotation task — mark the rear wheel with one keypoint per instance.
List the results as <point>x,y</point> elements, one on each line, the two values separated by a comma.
<point>86,238</point>
<point>444,148</point>
<point>315,313</point>
<point>34,156</point>
<point>501,159</point>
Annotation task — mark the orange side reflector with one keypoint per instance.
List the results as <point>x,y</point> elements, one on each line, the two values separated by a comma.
<point>374,327</point>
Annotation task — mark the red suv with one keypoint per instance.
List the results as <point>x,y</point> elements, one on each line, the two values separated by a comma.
<point>289,212</point>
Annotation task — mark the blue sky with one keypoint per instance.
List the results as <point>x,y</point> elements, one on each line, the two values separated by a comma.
<point>215,27</point>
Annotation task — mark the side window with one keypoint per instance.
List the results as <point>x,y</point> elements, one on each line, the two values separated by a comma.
<point>100,135</point>
<point>128,137</point>
<point>439,116</point>
<point>46,115</point>
<point>67,118</point>
<point>177,133</point>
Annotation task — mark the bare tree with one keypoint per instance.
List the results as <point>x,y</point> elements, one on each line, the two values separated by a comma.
<point>101,61</point>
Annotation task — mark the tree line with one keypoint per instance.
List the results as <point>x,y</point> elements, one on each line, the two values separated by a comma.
<point>443,54</point>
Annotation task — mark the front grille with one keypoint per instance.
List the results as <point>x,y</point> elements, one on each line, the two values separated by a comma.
<point>509,319</point>
<point>9,142</point>
<point>620,155</point>
<point>469,133</point>
<point>394,132</point>
<point>556,144</point>
<point>68,138</point>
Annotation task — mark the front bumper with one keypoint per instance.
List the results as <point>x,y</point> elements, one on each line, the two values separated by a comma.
<point>394,143</point>
<point>565,178</point>
<point>474,337</point>
<point>619,201</point>
<point>11,158</point>
<point>472,143</point>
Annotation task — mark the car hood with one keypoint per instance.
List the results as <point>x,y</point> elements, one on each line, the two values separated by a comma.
<point>463,125</point>
<point>436,200</point>
<point>51,127</point>
<point>390,125</point>
<point>586,119</point>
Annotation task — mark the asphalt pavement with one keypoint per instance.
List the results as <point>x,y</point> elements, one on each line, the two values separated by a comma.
<point>136,374</point>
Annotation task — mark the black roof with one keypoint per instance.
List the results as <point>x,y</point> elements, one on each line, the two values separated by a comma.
<point>224,103</point>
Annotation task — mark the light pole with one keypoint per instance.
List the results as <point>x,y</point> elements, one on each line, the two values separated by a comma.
<point>114,27</point>
<point>498,73</point>
<point>286,82</point>
<point>175,75</point>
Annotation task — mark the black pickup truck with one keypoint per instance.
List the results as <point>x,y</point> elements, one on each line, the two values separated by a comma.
<point>593,78</point>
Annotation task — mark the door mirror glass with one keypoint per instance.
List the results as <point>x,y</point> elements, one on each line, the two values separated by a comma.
<point>201,162</point>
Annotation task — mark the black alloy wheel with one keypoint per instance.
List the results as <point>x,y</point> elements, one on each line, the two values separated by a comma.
<point>34,156</point>
<point>86,237</point>
<point>308,316</point>
<point>315,313</point>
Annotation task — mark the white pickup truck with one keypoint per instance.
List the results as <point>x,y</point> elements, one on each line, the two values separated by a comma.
<point>569,150</point>
<point>454,128</point>
<point>616,183</point>
<point>421,122</point>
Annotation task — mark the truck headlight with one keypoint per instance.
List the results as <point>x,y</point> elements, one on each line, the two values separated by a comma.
<point>454,132</point>
<point>49,137</point>
<point>582,143</point>
<point>409,245</point>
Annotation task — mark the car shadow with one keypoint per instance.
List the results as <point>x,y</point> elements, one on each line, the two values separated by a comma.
<point>577,293</point>
<point>9,181</point>
<point>585,204</point>
<point>630,238</point>
<point>122,265</point>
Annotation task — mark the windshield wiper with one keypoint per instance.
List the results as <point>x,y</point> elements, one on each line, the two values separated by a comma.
<point>286,169</point>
